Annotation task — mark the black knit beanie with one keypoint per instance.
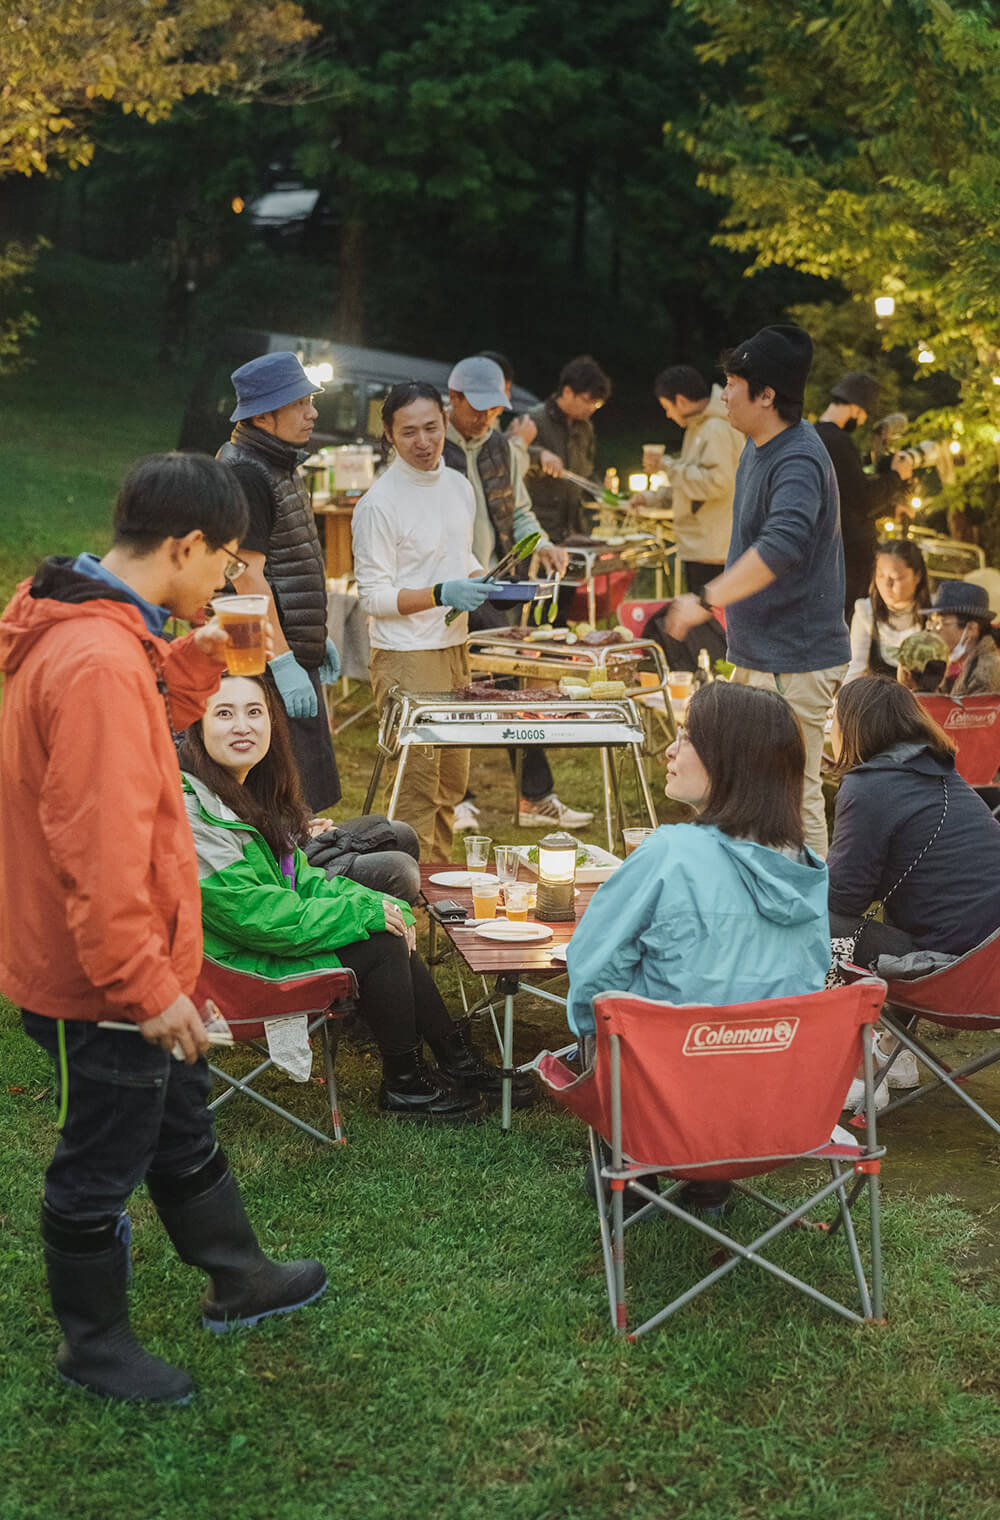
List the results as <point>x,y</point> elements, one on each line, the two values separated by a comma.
<point>857,388</point>
<point>778,356</point>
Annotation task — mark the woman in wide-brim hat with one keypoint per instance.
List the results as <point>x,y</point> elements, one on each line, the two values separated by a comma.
<point>961,614</point>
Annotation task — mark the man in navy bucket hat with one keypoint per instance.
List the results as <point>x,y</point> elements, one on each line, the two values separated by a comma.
<point>274,419</point>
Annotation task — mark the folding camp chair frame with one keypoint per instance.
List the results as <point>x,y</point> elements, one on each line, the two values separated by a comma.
<point>949,1077</point>
<point>327,1022</point>
<point>903,1008</point>
<point>621,1174</point>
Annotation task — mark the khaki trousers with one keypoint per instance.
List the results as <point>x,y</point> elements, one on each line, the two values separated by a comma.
<point>810,695</point>
<point>435,780</point>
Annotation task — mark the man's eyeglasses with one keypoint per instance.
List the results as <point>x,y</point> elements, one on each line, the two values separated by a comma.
<point>234,567</point>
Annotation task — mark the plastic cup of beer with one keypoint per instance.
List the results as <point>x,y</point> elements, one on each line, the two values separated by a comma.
<point>633,839</point>
<point>485,899</point>
<point>507,858</point>
<point>477,851</point>
<point>681,684</point>
<point>245,619</point>
<point>517,896</point>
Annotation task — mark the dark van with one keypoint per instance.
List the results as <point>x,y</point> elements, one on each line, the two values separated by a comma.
<point>355,382</point>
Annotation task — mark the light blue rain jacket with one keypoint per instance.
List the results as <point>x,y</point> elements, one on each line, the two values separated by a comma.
<point>696,917</point>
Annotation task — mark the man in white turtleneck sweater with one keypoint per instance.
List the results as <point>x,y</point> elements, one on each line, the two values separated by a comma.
<point>414,560</point>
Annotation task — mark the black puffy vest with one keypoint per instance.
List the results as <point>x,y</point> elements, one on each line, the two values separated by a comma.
<point>493,462</point>
<point>294,567</point>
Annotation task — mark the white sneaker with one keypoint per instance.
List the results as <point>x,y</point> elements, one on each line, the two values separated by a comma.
<point>903,1072</point>
<point>466,818</point>
<point>550,813</point>
<point>855,1099</point>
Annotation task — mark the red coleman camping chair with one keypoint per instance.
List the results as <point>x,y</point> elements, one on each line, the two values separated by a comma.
<point>248,1002</point>
<point>692,1092</point>
<point>964,995</point>
<point>974,725</point>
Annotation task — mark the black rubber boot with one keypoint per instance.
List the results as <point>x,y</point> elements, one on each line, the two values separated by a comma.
<point>88,1282</point>
<point>409,1090</point>
<point>204,1216</point>
<point>709,1198</point>
<point>460,1060</point>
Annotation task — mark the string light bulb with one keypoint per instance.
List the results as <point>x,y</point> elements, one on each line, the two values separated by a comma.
<point>926,355</point>
<point>885,306</point>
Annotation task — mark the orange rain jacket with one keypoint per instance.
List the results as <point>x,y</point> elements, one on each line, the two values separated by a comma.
<point>100,912</point>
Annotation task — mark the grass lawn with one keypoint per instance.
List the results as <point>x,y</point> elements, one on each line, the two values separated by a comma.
<point>461,1364</point>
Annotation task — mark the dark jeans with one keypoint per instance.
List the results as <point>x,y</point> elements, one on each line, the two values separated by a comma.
<point>130,1109</point>
<point>874,940</point>
<point>397,994</point>
<point>697,574</point>
<point>536,774</point>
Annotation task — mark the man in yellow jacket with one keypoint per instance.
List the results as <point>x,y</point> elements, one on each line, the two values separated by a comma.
<point>701,480</point>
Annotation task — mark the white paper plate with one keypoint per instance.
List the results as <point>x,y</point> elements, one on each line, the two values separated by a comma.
<point>516,933</point>
<point>463,878</point>
<point>558,952</point>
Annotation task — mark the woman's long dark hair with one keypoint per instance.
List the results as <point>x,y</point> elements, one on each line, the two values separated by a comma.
<point>750,743</point>
<point>270,799</point>
<point>874,714</point>
<point>906,550</point>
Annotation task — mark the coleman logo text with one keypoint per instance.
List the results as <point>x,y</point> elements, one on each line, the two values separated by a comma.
<point>734,1037</point>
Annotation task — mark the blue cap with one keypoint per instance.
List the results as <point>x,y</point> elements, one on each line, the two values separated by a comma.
<point>480,381</point>
<point>270,382</point>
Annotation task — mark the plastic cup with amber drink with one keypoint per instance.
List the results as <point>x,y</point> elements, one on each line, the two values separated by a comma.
<point>633,838</point>
<point>680,684</point>
<point>477,851</point>
<point>485,899</point>
<point>244,619</point>
<point>517,895</point>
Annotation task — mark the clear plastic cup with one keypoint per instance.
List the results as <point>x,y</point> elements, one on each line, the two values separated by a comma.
<point>244,618</point>
<point>517,896</point>
<point>507,858</point>
<point>633,838</point>
<point>681,684</point>
<point>485,899</point>
<point>477,851</point>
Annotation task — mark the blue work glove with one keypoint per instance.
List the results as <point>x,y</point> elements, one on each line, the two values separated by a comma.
<point>465,596</point>
<point>329,670</point>
<point>294,686</point>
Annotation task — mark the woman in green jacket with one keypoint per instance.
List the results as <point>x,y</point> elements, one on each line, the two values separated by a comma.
<point>266,910</point>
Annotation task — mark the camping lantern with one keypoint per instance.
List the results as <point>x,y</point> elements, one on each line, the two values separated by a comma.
<point>556,875</point>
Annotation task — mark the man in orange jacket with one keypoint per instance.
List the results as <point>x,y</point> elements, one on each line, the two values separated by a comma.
<point>102,915</point>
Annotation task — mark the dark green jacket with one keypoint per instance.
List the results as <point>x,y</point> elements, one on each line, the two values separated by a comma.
<point>557,502</point>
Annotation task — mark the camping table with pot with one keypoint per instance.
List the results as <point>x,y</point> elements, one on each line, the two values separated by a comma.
<point>509,964</point>
<point>445,718</point>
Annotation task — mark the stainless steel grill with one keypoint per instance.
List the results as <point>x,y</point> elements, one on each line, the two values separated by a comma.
<point>441,718</point>
<point>589,564</point>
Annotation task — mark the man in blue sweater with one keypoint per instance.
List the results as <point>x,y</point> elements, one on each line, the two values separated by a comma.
<point>783,585</point>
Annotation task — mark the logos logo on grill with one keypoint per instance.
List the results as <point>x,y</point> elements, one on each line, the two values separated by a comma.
<point>735,1037</point>
<point>967,717</point>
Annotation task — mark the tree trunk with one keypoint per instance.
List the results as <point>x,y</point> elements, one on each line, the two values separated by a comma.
<point>350,313</point>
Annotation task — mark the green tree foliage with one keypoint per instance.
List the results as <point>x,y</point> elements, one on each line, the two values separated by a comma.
<point>63,61</point>
<point>862,147</point>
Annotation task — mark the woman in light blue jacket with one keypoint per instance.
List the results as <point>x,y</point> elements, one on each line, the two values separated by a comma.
<point>729,908</point>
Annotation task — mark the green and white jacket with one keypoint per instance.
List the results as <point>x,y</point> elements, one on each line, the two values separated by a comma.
<point>254,919</point>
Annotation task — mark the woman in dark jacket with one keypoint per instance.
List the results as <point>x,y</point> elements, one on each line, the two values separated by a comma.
<point>908,831</point>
